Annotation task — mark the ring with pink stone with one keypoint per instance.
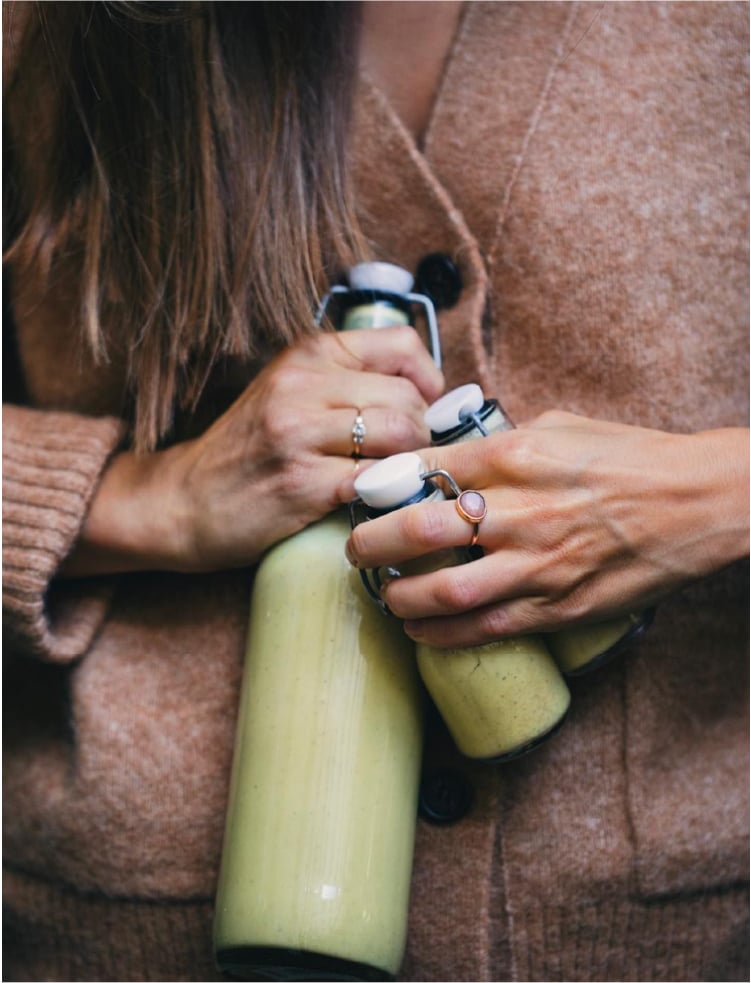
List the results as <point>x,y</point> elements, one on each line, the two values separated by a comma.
<point>472,508</point>
<point>470,504</point>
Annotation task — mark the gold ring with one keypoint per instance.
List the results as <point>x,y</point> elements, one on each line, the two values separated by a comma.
<point>472,508</point>
<point>358,436</point>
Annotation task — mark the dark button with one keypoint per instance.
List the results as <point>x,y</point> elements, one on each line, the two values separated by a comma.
<point>445,796</point>
<point>438,277</point>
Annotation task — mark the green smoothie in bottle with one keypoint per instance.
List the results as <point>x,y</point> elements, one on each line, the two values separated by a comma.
<point>497,700</point>
<point>465,414</point>
<point>317,856</point>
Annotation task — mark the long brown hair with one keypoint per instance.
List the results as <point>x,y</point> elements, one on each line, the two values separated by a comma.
<point>195,155</point>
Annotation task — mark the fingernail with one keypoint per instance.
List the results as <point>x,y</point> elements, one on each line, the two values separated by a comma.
<point>412,628</point>
<point>350,555</point>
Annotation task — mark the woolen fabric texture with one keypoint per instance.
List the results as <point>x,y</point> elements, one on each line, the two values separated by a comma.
<point>586,166</point>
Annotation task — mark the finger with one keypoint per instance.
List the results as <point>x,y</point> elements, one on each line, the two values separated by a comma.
<point>456,589</point>
<point>520,458</point>
<point>389,351</point>
<point>371,432</point>
<point>362,389</point>
<point>477,463</point>
<point>327,481</point>
<point>521,616</point>
<point>417,530</point>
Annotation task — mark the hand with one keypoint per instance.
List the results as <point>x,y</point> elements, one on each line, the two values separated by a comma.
<point>586,520</point>
<point>279,458</point>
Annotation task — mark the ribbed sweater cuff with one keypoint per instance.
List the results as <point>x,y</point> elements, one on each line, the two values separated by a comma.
<point>52,463</point>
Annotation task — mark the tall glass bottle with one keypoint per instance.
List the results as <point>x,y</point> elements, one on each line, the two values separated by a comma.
<point>498,700</point>
<point>465,414</point>
<point>317,855</point>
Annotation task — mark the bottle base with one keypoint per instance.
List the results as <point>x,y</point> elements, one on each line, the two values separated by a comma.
<point>278,963</point>
<point>625,641</point>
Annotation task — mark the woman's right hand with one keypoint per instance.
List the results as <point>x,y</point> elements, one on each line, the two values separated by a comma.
<point>276,460</point>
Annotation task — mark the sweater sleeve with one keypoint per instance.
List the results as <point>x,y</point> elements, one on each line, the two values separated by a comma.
<point>52,463</point>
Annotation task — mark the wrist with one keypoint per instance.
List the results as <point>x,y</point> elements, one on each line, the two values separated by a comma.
<point>723,486</point>
<point>136,520</point>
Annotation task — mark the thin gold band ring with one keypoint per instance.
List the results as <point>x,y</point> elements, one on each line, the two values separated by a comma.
<point>359,430</point>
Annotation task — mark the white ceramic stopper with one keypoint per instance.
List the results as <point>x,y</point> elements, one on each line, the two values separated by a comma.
<point>381,276</point>
<point>391,481</point>
<point>453,407</point>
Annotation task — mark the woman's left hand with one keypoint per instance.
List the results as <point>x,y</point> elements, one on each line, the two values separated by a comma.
<point>585,520</point>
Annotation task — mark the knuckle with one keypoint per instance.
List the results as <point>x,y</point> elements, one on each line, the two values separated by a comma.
<point>401,431</point>
<point>501,621</point>
<point>549,418</point>
<point>410,345</point>
<point>457,590</point>
<point>554,419</point>
<point>407,339</point>
<point>280,422</point>
<point>295,482</point>
<point>424,526</point>
<point>571,606</point>
<point>402,392</point>
<point>289,381</point>
<point>515,454</point>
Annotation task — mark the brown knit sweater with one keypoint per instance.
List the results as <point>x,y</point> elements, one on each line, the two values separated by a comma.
<point>586,167</point>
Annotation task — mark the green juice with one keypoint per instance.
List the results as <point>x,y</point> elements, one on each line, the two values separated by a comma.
<point>317,859</point>
<point>497,700</point>
<point>584,647</point>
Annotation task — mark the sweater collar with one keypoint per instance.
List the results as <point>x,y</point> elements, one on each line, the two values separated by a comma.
<point>454,196</point>
<point>406,213</point>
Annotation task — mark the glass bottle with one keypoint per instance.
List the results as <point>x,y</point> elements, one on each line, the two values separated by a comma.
<point>317,854</point>
<point>498,700</point>
<point>464,414</point>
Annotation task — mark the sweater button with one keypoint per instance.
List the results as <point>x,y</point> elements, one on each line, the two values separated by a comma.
<point>438,277</point>
<point>445,796</point>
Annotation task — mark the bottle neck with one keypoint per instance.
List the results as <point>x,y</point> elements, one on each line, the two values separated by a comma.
<point>371,309</point>
<point>430,492</point>
<point>490,418</point>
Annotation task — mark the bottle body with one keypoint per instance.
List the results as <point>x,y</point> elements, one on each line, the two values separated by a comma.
<point>317,856</point>
<point>583,648</point>
<point>498,700</point>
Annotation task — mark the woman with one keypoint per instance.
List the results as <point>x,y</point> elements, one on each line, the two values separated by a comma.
<point>585,171</point>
